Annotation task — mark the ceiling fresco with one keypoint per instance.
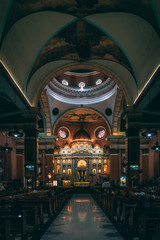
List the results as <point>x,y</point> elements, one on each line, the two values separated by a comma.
<point>81,41</point>
<point>82,115</point>
<point>80,8</point>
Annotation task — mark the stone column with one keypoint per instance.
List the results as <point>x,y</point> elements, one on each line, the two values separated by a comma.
<point>43,166</point>
<point>61,166</point>
<point>133,126</point>
<point>133,156</point>
<point>30,144</point>
<point>117,142</point>
<point>31,155</point>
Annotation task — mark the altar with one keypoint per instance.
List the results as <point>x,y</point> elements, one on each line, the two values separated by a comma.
<point>81,184</point>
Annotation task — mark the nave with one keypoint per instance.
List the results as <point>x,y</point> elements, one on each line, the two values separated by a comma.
<point>81,219</point>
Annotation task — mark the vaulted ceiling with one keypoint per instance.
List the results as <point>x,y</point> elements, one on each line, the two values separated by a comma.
<point>40,40</point>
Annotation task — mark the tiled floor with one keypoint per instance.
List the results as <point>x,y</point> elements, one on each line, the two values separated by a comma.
<point>81,219</point>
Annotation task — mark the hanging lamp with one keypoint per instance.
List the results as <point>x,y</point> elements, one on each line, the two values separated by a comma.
<point>149,133</point>
<point>156,147</point>
<point>15,134</point>
<point>6,148</point>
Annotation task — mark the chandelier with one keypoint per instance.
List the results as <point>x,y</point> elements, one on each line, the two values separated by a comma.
<point>15,134</point>
<point>156,147</point>
<point>149,133</point>
<point>6,148</point>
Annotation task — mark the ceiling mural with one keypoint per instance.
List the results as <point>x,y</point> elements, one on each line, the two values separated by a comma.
<point>82,115</point>
<point>80,8</point>
<point>81,41</point>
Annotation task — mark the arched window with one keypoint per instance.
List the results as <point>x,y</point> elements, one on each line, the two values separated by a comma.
<point>98,81</point>
<point>65,82</point>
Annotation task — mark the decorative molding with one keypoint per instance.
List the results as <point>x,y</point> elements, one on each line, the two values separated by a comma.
<point>46,111</point>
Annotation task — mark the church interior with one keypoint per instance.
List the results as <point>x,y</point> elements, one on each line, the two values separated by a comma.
<point>80,111</point>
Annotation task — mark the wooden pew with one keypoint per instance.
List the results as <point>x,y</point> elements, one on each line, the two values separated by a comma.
<point>31,212</point>
<point>46,204</point>
<point>25,204</point>
<point>17,224</point>
<point>5,229</point>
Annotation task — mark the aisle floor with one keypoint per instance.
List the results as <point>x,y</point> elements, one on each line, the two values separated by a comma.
<point>81,219</point>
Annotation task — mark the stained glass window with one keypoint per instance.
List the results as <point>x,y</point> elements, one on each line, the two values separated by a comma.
<point>65,82</point>
<point>101,134</point>
<point>62,134</point>
<point>98,81</point>
<point>81,85</point>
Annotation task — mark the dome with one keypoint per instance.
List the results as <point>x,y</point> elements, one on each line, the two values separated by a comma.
<point>96,145</point>
<point>81,87</point>
<point>66,145</point>
<point>81,135</point>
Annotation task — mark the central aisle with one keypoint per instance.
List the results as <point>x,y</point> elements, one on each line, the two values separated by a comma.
<point>81,219</point>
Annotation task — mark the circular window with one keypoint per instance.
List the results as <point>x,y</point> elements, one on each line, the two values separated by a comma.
<point>63,133</point>
<point>98,81</point>
<point>108,111</point>
<point>100,132</point>
<point>55,111</point>
<point>65,82</point>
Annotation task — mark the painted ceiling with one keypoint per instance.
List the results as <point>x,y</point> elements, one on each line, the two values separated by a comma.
<point>41,39</point>
<point>80,8</point>
<point>82,115</point>
<point>80,41</point>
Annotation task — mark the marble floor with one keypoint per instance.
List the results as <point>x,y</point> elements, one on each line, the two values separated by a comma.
<point>81,219</point>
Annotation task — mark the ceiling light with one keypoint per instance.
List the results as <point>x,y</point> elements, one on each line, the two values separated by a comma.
<point>149,133</point>
<point>6,148</point>
<point>15,134</point>
<point>156,147</point>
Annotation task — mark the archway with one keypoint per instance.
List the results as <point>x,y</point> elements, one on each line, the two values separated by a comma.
<point>81,145</point>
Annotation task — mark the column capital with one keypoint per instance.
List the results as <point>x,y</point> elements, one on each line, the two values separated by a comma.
<point>32,113</point>
<point>117,142</point>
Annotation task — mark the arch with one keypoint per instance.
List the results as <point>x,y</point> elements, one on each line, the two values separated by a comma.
<point>117,109</point>
<point>26,34</point>
<point>48,125</point>
<point>89,108</point>
<point>4,11</point>
<point>129,27</point>
<point>115,71</point>
<point>81,163</point>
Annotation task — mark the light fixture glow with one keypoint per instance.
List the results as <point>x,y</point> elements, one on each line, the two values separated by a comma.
<point>11,76</point>
<point>156,147</point>
<point>149,133</point>
<point>15,134</point>
<point>146,84</point>
<point>6,148</point>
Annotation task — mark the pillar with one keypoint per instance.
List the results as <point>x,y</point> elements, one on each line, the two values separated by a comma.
<point>117,142</point>
<point>133,155</point>
<point>30,145</point>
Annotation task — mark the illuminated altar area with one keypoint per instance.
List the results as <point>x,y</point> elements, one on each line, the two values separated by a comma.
<point>82,160</point>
